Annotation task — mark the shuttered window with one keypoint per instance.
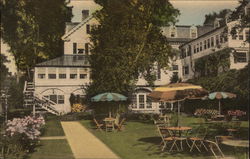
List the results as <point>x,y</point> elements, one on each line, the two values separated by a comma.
<point>86,48</point>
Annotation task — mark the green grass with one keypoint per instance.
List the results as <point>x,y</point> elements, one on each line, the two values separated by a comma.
<point>53,126</point>
<point>52,149</point>
<point>141,140</point>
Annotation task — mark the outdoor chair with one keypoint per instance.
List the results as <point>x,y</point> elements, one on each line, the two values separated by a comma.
<point>219,139</point>
<point>215,149</point>
<point>120,125</point>
<point>198,139</point>
<point>98,125</point>
<point>167,137</point>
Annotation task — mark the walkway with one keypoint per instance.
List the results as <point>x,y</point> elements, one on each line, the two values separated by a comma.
<point>85,145</point>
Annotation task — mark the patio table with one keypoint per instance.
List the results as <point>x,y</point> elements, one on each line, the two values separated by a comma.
<point>179,129</point>
<point>236,143</point>
<point>109,121</point>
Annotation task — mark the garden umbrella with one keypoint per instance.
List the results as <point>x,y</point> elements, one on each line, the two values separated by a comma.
<point>178,92</point>
<point>107,97</point>
<point>219,96</point>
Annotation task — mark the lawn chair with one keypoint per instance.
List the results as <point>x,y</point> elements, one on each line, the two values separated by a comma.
<point>167,137</point>
<point>198,139</point>
<point>215,149</point>
<point>120,125</point>
<point>98,126</point>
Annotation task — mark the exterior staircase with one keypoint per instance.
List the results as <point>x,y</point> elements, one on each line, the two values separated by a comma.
<point>38,101</point>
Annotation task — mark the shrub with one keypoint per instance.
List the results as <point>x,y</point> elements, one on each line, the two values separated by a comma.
<point>76,116</point>
<point>21,135</point>
<point>78,108</point>
<point>207,113</point>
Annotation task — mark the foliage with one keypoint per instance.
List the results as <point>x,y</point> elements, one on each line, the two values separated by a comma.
<point>4,70</point>
<point>21,135</point>
<point>206,112</point>
<point>15,100</point>
<point>78,108</point>
<point>128,43</point>
<point>209,18</point>
<point>175,78</point>
<point>244,18</point>
<point>234,81</point>
<point>212,64</point>
<point>33,29</point>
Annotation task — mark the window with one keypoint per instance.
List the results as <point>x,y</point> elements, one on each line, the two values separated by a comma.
<point>85,14</point>
<point>60,99</point>
<point>173,31</point>
<point>193,31</point>
<point>185,70</point>
<point>189,50</point>
<point>208,43</point>
<point>74,48</point>
<point>197,48</point>
<point>221,39</point>
<point>133,101</point>
<point>53,98</point>
<point>158,72</point>
<point>41,76</point>
<point>175,67</point>
<point>88,29</point>
<point>200,46</point>
<point>73,76</point>
<point>83,76</point>
<point>217,40</point>
<point>205,44</point>
<point>240,57</point>
<point>234,36</point>
<point>141,101</point>
<point>193,35</point>
<point>149,103</point>
<point>80,48</point>
<point>62,76</point>
<point>247,35</point>
<point>194,48</point>
<point>52,76</point>
<point>241,35</point>
<point>212,41</point>
<point>225,39</point>
<point>86,48</point>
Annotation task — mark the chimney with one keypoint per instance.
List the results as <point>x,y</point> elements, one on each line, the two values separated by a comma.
<point>85,14</point>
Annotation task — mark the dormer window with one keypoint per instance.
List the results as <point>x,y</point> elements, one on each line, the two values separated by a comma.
<point>173,32</point>
<point>80,48</point>
<point>193,32</point>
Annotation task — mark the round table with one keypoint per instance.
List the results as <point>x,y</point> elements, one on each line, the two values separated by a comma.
<point>236,143</point>
<point>109,123</point>
<point>179,129</point>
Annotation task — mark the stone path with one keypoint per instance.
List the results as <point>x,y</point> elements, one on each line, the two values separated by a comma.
<point>85,145</point>
<point>52,138</point>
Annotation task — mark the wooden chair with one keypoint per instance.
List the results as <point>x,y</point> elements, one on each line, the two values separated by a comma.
<point>120,125</point>
<point>98,125</point>
<point>215,149</point>
<point>167,137</point>
<point>198,139</point>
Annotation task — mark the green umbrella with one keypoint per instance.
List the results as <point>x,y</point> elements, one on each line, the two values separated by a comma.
<point>108,97</point>
<point>219,96</point>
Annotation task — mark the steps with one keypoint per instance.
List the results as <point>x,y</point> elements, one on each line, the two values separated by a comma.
<point>41,103</point>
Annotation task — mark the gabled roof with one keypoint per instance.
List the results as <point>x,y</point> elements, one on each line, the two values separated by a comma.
<point>67,61</point>
<point>77,27</point>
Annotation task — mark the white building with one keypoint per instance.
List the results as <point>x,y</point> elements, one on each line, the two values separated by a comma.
<point>210,43</point>
<point>56,79</point>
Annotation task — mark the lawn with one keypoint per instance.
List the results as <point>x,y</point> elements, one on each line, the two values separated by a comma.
<point>53,126</point>
<point>52,149</point>
<point>141,140</point>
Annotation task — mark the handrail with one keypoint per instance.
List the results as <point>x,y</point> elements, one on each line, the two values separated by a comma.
<point>47,102</point>
<point>25,85</point>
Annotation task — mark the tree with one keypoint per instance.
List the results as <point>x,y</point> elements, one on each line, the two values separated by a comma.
<point>209,18</point>
<point>243,16</point>
<point>33,29</point>
<point>4,70</point>
<point>128,43</point>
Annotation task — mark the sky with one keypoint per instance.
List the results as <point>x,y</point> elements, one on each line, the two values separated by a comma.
<point>192,11</point>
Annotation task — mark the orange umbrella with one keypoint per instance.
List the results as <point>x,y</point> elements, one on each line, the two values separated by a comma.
<point>178,92</point>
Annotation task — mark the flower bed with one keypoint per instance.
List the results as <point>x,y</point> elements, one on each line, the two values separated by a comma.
<point>20,136</point>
